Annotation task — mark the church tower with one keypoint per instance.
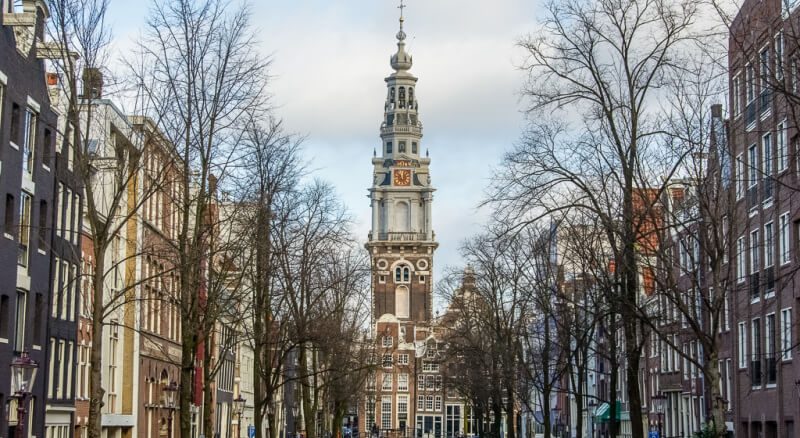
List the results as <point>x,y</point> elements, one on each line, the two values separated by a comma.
<point>402,242</point>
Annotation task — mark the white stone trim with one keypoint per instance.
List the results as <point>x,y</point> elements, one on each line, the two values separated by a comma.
<point>34,104</point>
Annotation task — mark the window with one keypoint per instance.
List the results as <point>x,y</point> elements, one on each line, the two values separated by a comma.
<point>5,317</point>
<point>386,412</point>
<point>737,95</point>
<point>739,177</point>
<point>783,239</point>
<point>753,166</point>
<point>47,148</point>
<point>402,147</point>
<point>387,382</point>
<point>786,333</point>
<point>38,317</point>
<point>15,122</point>
<point>387,341</point>
<point>755,351</point>
<point>726,311</point>
<point>420,402</point>
<point>414,147</point>
<point>769,245</point>
<point>402,359</point>
<point>21,317</point>
<point>766,163</point>
<point>438,403</point>
<point>742,345</point>
<point>24,228</point>
<point>388,147</point>
<point>2,98</point>
<point>764,72</point>
<point>750,83</point>
<point>402,382</point>
<point>59,205</point>
<point>29,143</point>
<point>402,274</point>
<point>429,402</point>
<point>769,348</point>
<point>387,361</point>
<point>780,139</point>
<point>43,225</point>
<point>755,266</point>
<point>779,56</point>
<point>740,260</point>
<point>420,382</point>
<point>8,222</point>
<point>113,345</point>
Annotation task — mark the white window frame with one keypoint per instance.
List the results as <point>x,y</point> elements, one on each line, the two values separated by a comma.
<point>786,334</point>
<point>740,177</point>
<point>769,244</point>
<point>741,262</point>
<point>743,334</point>
<point>784,242</point>
<point>782,150</point>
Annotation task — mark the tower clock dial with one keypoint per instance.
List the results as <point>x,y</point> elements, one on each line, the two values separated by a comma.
<point>402,177</point>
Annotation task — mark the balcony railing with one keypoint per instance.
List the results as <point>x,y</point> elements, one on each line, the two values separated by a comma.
<point>402,237</point>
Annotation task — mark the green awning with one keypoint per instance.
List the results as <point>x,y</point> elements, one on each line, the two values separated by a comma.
<point>604,411</point>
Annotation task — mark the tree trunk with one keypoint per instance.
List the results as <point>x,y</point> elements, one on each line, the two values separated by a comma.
<point>713,377</point>
<point>96,355</point>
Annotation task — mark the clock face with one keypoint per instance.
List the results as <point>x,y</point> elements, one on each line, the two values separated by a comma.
<point>402,177</point>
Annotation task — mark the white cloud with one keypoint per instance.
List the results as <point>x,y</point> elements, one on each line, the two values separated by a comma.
<point>329,61</point>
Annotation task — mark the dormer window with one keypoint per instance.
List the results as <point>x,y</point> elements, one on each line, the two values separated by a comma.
<point>402,274</point>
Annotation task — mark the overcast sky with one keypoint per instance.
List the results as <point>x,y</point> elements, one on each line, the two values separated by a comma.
<point>329,61</point>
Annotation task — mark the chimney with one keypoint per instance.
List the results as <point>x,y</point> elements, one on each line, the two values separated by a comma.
<point>92,83</point>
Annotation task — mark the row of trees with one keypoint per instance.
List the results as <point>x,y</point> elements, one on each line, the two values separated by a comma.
<point>255,244</point>
<point>614,217</point>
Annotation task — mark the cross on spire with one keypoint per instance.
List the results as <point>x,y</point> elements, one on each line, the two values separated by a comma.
<point>402,7</point>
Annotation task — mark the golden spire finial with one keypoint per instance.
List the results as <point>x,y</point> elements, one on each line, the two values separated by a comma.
<point>402,35</point>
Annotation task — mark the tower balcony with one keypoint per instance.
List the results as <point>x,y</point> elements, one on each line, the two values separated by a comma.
<point>402,237</point>
<point>401,129</point>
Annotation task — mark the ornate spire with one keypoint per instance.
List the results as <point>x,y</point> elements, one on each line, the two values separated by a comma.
<point>401,36</point>
<point>401,60</point>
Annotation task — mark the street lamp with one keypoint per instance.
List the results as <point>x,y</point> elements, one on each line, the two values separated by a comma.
<point>238,407</point>
<point>659,402</point>
<point>23,376</point>
<point>168,394</point>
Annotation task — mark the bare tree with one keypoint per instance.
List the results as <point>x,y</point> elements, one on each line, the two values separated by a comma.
<point>108,163</point>
<point>199,76</point>
<point>604,63</point>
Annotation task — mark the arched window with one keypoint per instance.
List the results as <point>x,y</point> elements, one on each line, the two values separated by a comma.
<point>411,97</point>
<point>402,274</point>
<point>402,98</point>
